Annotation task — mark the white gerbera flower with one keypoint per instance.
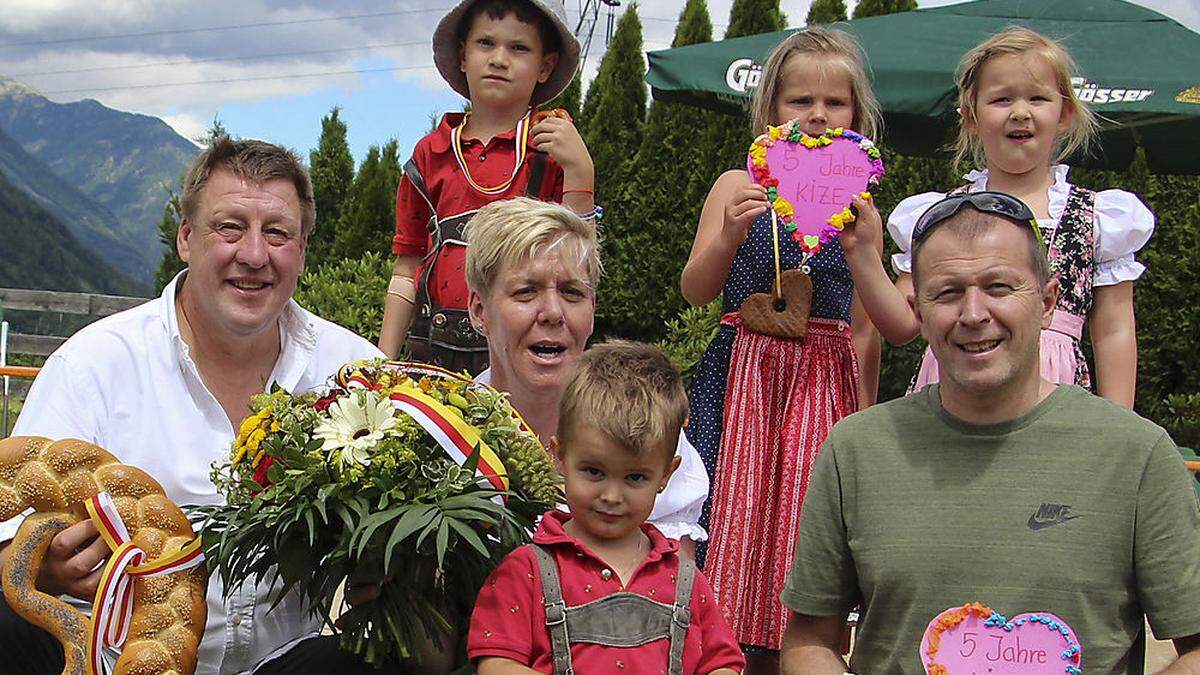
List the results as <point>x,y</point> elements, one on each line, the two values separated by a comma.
<point>356,424</point>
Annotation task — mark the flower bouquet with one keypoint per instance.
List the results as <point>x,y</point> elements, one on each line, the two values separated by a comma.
<point>404,474</point>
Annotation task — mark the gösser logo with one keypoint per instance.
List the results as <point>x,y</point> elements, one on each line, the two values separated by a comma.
<point>1092,92</point>
<point>743,75</point>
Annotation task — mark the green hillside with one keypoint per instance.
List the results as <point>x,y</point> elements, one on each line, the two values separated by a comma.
<point>37,251</point>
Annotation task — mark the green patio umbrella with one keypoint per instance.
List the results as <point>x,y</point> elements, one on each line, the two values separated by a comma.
<point>1141,73</point>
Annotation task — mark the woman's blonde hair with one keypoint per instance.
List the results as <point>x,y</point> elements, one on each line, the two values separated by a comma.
<point>509,232</point>
<point>836,48</point>
<point>1020,40</point>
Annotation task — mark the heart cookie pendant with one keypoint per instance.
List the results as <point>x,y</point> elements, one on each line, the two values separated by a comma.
<point>811,179</point>
<point>783,317</point>
<point>975,638</point>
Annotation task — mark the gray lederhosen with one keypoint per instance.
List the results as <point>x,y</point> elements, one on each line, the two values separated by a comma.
<point>619,620</point>
<point>441,335</point>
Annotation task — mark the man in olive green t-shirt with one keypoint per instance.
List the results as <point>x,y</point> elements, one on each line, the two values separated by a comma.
<point>994,486</point>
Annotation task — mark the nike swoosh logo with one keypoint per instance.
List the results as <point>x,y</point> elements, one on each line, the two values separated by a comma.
<point>1035,524</point>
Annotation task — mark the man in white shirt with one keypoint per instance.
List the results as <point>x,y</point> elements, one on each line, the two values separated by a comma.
<point>165,386</point>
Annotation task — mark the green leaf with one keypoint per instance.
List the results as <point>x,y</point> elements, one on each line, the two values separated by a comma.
<point>443,537</point>
<point>467,533</point>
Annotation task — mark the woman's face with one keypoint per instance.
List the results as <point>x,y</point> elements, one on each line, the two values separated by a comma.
<point>537,318</point>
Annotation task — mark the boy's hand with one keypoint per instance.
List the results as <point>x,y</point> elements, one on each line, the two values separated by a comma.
<point>558,137</point>
<point>865,234</point>
<point>740,211</point>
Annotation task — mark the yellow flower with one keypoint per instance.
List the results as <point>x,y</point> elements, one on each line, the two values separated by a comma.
<point>775,133</point>
<point>838,131</point>
<point>783,208</point>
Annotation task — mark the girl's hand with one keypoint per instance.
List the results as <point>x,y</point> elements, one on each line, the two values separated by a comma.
<point>742,208</point>
<point>865,235</point>
<point>558,137</point>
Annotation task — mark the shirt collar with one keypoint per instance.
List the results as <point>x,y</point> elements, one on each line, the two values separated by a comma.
<point>550,532</point>
<point>441,137</point>
<point>979,177</point>
<point>298,336</point>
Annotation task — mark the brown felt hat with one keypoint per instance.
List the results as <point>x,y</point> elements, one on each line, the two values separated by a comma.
<point>447,57</point>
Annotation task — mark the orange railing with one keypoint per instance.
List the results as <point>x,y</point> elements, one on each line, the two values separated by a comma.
<point>19,371</point>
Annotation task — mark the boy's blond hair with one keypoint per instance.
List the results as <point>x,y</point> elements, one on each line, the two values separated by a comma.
<point>1020,40</point>
<point>835,48</point>
<point>506,233</point>
<point>631,393</point>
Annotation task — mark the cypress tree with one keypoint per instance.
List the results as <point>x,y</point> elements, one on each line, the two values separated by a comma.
<point>332,169</point>
<point>569,99</point>
<point>671,176</point>
<point>867,8</point>
<point>826,11</point>
<point>368,214</point>
<point>615,109</point>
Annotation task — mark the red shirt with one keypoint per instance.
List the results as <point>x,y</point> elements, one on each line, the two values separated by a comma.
<point>509,620</point>
<point>451,194</point>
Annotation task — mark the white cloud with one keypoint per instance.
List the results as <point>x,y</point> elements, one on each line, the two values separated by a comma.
<point>189,126</point>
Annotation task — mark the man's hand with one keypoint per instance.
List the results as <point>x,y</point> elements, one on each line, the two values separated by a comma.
<point>559,138</point>
<point>72,565</point>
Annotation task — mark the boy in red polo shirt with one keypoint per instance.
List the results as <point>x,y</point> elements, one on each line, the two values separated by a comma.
<point>506,56</point>
<point>599,590</point>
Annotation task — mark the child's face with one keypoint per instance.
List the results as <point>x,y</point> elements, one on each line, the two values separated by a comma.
<point>610,491</point>
<point>1018,113</point>
<point>503,61</point>
<point>817,92</point>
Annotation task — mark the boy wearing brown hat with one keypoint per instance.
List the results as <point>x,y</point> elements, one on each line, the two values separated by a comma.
<point>507,57</point>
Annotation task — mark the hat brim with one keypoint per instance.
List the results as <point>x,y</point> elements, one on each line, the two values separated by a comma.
<point>448,58</point>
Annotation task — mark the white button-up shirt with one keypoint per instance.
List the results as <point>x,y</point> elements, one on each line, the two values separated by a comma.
<point>677,509</point>
<point>128,384</point>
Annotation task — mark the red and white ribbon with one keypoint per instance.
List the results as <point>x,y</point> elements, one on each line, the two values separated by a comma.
<point>113,608</point>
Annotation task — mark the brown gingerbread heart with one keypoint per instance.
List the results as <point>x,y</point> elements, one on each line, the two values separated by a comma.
<point>784,317</point>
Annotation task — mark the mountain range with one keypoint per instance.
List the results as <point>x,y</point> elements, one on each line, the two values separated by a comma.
<point>101,173</point>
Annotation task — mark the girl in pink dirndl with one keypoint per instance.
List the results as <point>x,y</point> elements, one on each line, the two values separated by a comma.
<point>761,405</point>
<point>1020,114</point>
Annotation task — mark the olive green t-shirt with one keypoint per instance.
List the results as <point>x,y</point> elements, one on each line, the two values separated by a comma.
<point>1079,508</point>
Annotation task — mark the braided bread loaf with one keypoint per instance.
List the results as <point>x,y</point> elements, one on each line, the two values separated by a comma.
<point>55,478</point>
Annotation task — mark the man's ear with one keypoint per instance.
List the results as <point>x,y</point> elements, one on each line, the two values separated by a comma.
<point>181,239</point>
<point>1049,301</point>
<point>549,61</point>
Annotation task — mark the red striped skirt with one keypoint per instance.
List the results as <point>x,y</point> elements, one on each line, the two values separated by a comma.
<point>782,398</point>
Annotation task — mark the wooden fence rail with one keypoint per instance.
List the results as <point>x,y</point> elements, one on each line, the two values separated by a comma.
<point>90,304</point>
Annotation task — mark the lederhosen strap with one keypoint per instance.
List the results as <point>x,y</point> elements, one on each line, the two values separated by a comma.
<point>601,621</point>
<point>556,611</point>
<point>443,329</point>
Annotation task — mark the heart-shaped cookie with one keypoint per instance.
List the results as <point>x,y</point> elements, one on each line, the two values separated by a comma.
<point>975,638</point>
<point>810,179</point>
<point>783,317</point>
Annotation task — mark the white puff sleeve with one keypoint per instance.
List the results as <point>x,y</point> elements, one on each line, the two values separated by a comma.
<point>677,510</point>
<point>1123,226</point>
<point>900,226</point>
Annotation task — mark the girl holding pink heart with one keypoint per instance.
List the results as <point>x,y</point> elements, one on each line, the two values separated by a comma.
<point>1019,118</point>
<point>762,404</point>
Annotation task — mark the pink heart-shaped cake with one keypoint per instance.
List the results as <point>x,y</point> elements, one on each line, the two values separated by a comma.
<point>975,639</point>
<point>810,179</point>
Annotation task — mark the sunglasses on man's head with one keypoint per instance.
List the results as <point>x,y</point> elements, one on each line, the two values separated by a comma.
<point>998,203</point>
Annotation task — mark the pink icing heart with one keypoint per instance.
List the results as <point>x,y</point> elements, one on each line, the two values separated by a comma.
<point>814,178</point>
<point>976,640</point>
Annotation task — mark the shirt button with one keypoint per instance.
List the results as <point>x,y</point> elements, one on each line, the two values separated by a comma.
<point>482,157</point>
<point>606,574</point>
<point>235,619</point>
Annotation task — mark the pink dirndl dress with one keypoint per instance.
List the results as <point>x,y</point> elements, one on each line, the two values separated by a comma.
<point>780,399</point>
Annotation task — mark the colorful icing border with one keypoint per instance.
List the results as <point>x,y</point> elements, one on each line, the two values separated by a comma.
<point>791,132</point>
<point>993,619</point>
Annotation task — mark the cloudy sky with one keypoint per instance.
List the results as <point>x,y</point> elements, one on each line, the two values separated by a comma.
<point>271,68</point>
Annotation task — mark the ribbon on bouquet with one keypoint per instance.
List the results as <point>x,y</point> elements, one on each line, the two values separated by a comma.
<point>457,438</point>
<point>112,609</point>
